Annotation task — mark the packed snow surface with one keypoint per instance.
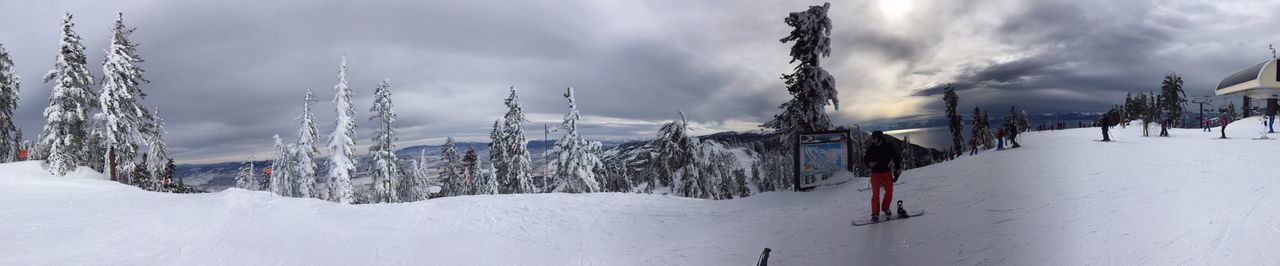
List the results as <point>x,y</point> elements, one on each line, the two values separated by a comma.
<point>1060,199</point>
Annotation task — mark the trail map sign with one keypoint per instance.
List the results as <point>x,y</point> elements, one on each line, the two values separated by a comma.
<point>819,155</point>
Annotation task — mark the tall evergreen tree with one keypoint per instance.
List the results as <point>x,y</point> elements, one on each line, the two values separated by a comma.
<point>342,143</point>
<point>988,135</point>
<point>415,186</point>
<point>96,149</point>
<point>471,172</point>
<point>140,175</point>
<point>63,141</point>
<point>123,117</point>
<point>516,171</point>
<point>1024,121</point>
<point>489,185</point>
<point>282,177</point>
<point>1128,107</point>
<point>10,85</point>
<point>676,157</point>
<point>386,167</point>
<point>954,121</point>
<point>810,86</point>
<point>305,152</point>
<point>1172,101</point>
<point>451,170</point>
<point>244,176</point>
<point>157,151</point>
<point>498,157</point>
<point>575,169</point>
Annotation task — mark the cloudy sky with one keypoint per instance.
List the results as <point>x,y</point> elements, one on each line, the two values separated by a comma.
<point>227,75</point>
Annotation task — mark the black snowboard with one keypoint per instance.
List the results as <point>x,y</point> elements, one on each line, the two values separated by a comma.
<point>910,213</point>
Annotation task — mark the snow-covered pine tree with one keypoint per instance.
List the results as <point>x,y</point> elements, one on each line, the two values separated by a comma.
<point>575,169</point>
<point>954,121</point>
<point>22,145</point>
<point>1024,121</point>
<point>618,179</point>
<point>157,151</point>
<point>141,176</point>
<point>676,155</point>
<point>1130,108</point>
<point>517,176</point>
<point>988,135</point>
<point>415,185</point>
<point>282,177</point>
<point>123,117</point>
<point>95,151</point>
<point>740,181</point>
<point>471,172</point>
<point>498,157</point>
<point>342,143</point>
<point>490,182</point>
<point>244,176</point>
<point>304,164</point>
<point>385,170</point>
<point>451,170</point>
<point>810,86</point>
<point>10,85</point>
<point>761,184</point>
<point>65,130</point>
<point>717,179</point>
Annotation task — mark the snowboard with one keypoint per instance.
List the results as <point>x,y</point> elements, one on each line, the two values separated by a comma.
<point>910,213</point>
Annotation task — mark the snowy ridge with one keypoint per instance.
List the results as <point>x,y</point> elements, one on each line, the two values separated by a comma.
<point>1059,199</point>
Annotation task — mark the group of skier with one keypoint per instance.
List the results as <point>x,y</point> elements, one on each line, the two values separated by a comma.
<point>1012,135</point>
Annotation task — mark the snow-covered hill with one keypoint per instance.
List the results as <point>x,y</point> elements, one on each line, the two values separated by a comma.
<point>1060,199</point>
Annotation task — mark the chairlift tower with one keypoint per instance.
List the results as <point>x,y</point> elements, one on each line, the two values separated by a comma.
<point>1202,100</point>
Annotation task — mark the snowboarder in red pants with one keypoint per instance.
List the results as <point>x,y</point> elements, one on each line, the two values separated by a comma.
<point>878,157</point>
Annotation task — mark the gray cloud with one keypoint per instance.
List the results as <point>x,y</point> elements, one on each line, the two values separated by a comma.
<point>1125,48</point>
<point>229,74</point>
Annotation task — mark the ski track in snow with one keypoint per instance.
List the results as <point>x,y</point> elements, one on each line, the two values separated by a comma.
<point>1059,199</point>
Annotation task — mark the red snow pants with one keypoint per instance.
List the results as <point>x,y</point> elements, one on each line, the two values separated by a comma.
<point>881,180</point>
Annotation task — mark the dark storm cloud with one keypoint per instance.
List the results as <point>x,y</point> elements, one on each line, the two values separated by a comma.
<point>1104,54</point>
<point>227,75</point>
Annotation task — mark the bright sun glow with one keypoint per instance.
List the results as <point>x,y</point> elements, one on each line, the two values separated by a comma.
<point>895,9</point>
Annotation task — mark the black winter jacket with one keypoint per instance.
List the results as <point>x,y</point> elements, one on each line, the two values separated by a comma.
<point>882,154</point>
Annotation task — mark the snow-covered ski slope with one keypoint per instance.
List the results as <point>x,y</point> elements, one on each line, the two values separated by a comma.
<point>1060,199</point>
